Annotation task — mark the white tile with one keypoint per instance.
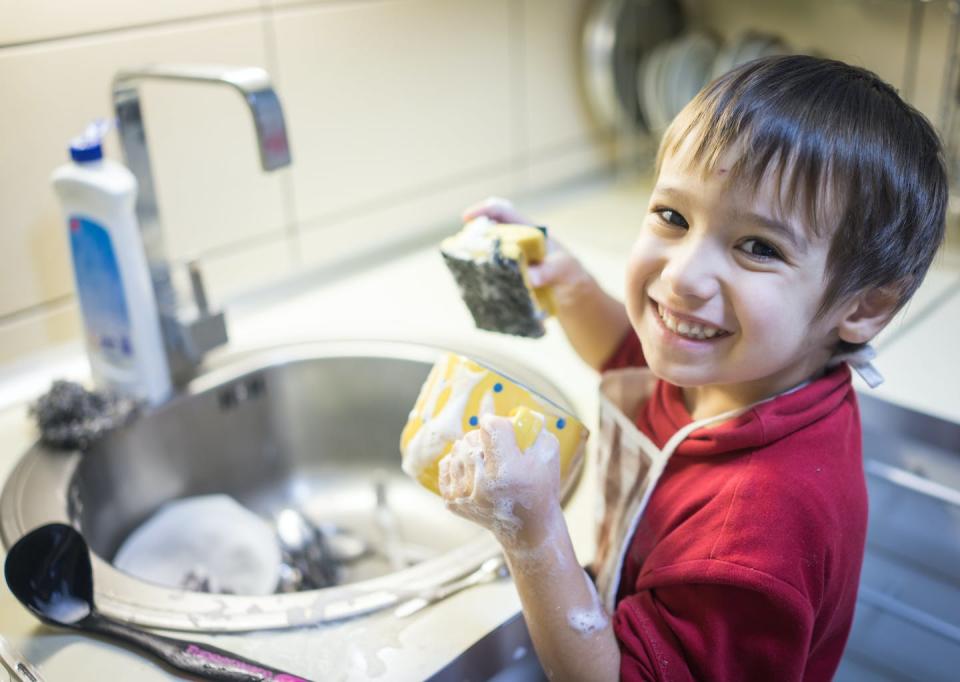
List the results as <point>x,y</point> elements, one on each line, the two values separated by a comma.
<point>555,110</point>
<point>605,214</point>
<point>43,19</point>
<point>391,99</point>
<point>211,188</point>
<point>31,332</point>
<point>421,216</point>
<point>573,161</point>
<point>240,270</point>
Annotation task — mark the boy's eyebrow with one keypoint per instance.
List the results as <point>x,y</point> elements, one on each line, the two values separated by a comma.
<point>781,228</point>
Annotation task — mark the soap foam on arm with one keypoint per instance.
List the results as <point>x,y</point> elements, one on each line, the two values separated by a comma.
<point>586,621</point>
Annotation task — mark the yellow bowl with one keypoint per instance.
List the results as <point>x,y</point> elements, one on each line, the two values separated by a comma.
<point>457,392</point>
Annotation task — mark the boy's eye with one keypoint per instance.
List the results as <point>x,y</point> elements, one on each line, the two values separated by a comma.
<point>672,217</point>
<point>760,250</point>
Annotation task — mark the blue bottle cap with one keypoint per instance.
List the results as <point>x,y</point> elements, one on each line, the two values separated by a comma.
<point>89,146</point>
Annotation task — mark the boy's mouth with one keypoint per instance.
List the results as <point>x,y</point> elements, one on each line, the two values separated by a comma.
<point>686,328</point>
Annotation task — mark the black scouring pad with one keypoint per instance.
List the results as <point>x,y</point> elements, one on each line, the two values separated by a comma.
<point>496,294</point>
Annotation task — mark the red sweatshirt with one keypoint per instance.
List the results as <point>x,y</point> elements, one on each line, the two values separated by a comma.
<point>746,562</point>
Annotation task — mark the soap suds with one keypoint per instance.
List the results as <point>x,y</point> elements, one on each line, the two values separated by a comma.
<point>464,479</point>
<point>499,491</point>
<point>587,621</point>
<point>441,428</point>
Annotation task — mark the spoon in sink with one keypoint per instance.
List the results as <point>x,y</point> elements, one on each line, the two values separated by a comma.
<point>492,569</point>
<point>49,571</point>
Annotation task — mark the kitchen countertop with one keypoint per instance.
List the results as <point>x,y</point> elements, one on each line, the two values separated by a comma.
<point>411,297</point>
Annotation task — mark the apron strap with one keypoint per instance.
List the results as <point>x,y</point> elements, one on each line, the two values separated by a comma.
<point>621,514</point>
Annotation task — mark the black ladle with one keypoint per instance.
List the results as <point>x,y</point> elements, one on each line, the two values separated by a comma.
<point>49,571</point>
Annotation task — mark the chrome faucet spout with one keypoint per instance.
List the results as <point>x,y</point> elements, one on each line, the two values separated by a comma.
<point>188,335</point>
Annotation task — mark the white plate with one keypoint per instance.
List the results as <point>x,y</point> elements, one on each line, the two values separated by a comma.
<point>687,67</point>
<point>695,67</point>
<point>651,87</point>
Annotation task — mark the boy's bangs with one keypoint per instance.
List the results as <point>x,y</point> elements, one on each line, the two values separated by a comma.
<point>764,147</point>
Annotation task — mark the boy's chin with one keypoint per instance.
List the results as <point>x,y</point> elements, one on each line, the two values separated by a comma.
<point>682,376</point>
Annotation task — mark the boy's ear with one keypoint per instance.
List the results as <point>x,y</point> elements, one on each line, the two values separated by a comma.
<point>868,313</point>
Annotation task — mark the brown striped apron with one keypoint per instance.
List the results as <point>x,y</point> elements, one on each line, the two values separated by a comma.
<point>629,466</point>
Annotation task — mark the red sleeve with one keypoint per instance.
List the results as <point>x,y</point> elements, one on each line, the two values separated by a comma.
<point>628,354</point>
<point>712,632</point>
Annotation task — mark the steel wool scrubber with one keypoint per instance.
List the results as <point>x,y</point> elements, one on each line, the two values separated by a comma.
<point>70,417</point>
<point>488,260</point>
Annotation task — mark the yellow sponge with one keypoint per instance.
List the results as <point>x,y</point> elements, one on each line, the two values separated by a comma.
<point>457,392</point>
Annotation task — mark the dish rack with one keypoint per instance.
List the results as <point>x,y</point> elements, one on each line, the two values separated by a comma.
<point>640,66</point>
<point>641,63</point>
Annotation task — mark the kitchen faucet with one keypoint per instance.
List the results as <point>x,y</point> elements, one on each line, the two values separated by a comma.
<point>188,335</point>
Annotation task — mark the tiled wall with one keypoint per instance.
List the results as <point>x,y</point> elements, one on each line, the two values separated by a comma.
<point>399,112</point>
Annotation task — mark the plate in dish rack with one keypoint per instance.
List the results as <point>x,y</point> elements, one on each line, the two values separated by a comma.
<point>617,35</point>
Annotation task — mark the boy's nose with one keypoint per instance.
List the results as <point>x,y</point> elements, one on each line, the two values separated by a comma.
<point>691,271</point>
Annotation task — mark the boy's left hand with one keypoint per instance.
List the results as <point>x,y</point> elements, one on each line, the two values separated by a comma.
<point>488,480</point>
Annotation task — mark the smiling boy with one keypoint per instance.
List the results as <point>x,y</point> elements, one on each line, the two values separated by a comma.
<point>798,204</point>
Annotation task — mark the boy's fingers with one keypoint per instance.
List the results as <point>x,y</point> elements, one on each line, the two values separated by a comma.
<point>499,440</point>
<point>538,275</point>
<point>496,208</point>
<point>559,267</point>
<point>443,482</point>
<point>549,271</point>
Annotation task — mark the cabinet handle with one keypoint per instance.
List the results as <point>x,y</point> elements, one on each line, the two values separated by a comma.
<point>911,614</point>
<point>912,482</point>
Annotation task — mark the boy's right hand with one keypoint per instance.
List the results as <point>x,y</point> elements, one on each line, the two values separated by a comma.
<point>487,479</point>
<point>559,270</point>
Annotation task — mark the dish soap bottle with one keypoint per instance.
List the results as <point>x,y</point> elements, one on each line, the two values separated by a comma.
<point>117,301</point>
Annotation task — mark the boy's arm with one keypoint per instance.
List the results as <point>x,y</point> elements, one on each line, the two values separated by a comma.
<point>571,633</point>
<point>486,479</point>
<point>592,320</point>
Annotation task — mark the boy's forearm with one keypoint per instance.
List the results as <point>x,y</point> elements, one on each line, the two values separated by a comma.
<point>571,632</point>
<point>594,322</point>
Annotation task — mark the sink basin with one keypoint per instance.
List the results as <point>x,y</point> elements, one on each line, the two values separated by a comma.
<point>314,427</point>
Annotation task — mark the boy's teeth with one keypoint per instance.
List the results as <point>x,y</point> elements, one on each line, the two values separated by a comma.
<point>693,330</point>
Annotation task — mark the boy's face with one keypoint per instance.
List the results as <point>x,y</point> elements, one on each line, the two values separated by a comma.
<point>722,291</point>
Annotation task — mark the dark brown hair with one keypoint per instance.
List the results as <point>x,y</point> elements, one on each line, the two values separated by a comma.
<point>848,154</point>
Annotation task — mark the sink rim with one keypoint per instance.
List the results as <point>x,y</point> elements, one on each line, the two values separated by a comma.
<point>130,599</point>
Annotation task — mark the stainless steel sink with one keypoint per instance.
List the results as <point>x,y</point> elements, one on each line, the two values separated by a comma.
<point>314,427</point>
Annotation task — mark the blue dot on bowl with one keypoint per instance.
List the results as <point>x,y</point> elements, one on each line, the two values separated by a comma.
<point>497,387</point>
<point>474,421</point>
<point>561,423</point>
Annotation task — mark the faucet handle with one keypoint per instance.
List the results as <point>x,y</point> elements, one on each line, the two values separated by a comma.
<point>197,287</point>
<point>208,329</point>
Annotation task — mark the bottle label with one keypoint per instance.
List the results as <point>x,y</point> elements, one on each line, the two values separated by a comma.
<point>101,292</point>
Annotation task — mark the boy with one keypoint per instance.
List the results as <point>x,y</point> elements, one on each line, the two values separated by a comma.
<point>798,204</point>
